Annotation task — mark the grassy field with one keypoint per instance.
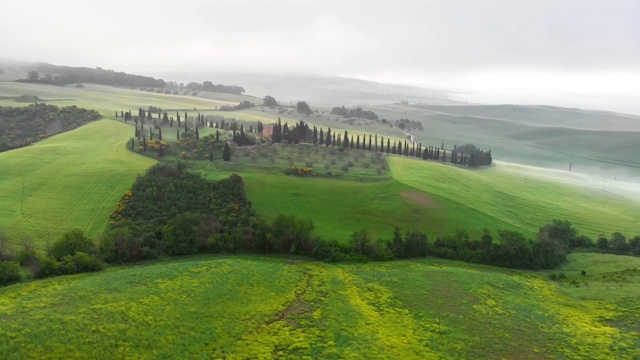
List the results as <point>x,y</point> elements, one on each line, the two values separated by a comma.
<point>524,203</point>
<point>423,195</point>
<point>598,143</point>
<point>72,180</point>
<point>104,99</point>
<point>256,307</point>
<point>419,195</point>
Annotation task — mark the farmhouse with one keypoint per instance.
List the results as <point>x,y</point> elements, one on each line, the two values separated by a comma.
<point>267,131</point>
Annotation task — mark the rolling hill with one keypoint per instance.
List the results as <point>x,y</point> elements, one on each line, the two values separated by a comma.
<point>264,307</point>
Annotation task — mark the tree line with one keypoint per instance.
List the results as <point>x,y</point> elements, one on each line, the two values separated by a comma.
<point>357,112</point>
<point>62,75</point>
<point>22,126</point>
<point>175,212</point>
<point>171,211</point>
<point>209,86</point>
<point>466,155</point>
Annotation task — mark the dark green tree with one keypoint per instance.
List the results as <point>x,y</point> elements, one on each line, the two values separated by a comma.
<point>226,152</point>
<point>269,101</point>
<point>70,243</point>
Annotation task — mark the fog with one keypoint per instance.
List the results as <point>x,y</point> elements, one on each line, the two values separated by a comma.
<point>606,185</point>
<point>570,52</point>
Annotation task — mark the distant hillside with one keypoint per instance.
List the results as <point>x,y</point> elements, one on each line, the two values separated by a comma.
<point>543,115</point>
<point>318,90</point>
<point>44,73</point>
<point>62,75</point>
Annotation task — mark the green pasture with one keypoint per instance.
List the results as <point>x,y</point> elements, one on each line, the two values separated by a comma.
<point>512,201</point>
<point>105,99</point>
<point>593,142</point>
<point>72,180</point>
<point>271,307</point>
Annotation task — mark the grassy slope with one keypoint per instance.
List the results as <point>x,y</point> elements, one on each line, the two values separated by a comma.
<point>521,140</point>
<point>426,309</point>
<point>428,196</point>
<point>105,99</point>
<point>70,180</point>
<point>499,198</point>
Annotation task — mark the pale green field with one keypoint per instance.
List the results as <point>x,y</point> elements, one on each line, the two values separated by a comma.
<point>104,99</point>
<point>525,203</point>
<point>241,307</point>
<point>72,180</point>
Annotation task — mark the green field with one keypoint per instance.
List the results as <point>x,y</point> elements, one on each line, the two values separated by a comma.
<point>257,307</point>
<point>415,195</point>
<point>104,99</point>
<point>428,196</point>
<point>72,180</point>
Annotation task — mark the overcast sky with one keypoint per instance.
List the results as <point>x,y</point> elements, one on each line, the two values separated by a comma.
<point>572,45</point>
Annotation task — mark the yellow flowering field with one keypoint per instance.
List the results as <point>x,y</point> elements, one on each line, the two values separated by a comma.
<point>252,307</point>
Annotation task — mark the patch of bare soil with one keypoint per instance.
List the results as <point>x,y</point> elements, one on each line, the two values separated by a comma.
<point>420,198</point>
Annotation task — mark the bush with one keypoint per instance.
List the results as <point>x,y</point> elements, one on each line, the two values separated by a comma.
<point>9,272</point>
<point>26,256</point>
<point>48,266</point>
<point>70,243</point>
<point>79,263</point>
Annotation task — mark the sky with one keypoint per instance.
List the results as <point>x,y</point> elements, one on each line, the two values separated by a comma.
<point>583,47</point>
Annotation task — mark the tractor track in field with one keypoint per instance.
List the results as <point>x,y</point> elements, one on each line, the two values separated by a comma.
<point>32,192</point>
<point>72,209</point>
<point>103,199</point>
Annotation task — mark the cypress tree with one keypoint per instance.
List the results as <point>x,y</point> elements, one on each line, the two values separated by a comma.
<point>370,143</point>
<point>333,140</point>
<point>144,143</point>
<point>358,143</point>
<point>185,124</point>
<point>150,133</point>
<point>178,134</point>
<point>321,138</point>
<point>444,155</point>
<point>226,152</point>
<point>388,145</point>
<point>345,140</point>
<point>351,142</point>
<point>340,142</point>
<point>197,133</point>
<point>160,134</point>
<point>217,135</point>
<point>315,135</point>
<point>116,114</point>
<point>327,141</point>
<point>376,143</point>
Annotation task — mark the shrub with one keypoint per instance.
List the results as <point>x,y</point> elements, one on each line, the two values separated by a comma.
<point>48,266</point>
<point>299,171</point>
<point>9,272</point>
<point>70,243</point>
<point>26,256</point>
<point>78,263</point>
